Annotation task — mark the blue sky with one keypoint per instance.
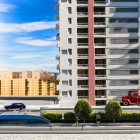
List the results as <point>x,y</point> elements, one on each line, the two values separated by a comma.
<point>27,35</point>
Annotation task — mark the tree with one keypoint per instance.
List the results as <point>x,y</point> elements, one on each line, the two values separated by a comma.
<point>113,110</point>
<point>83,109</point>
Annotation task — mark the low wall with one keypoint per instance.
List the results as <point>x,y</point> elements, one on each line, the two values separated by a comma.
<point>95,109</point>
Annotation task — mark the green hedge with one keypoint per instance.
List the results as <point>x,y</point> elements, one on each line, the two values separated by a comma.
<point>103,116</point>
<point>69,116</point>
<point>52,116</point>
<point>130,116</point>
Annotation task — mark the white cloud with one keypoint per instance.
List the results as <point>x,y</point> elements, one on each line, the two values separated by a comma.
<point>6,7</point>
<point>25,56</point>
<point>26,27</point>
<point>35,42</point>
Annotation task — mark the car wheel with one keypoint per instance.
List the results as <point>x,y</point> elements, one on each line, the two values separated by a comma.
<point>7,108</point>
<point>125,103</point>
<point>20,108</point>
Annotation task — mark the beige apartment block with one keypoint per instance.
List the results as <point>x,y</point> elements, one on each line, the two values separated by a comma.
<point>27,84</point>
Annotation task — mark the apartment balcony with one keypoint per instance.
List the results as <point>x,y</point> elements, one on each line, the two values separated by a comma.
<point>57,57</point>
<point>100,86</point>
<point>99,13</point>
<point>100,45</point>
<point>82,25</point>
<point>82,76</point>
<point>82,3</point>
<point>101,96</point>
<point>82,97</point>
<point>57,26</point>
<point>83,87</point>
<point>100,66</point>
<point>82,35</point>
<point>100,77</point>
<point>100,56</point>
<point>58,37</point>
<point>82,14</point>
<point>58,67</point>
<point>99,3</point>
<point>82,45</point>
<point>57,16</point>
<point>96,34</point>
<point>82,66</point>
<point>57,6</point>
<point>83,56</point>
<point>99,23</point>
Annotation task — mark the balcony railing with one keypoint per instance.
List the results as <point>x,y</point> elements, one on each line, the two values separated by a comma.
<point>100,65</point>
<point>101,96</point>
<point>100,44</point>
<point>100,85</point>
<point>82,97</point>
<point>82,54</point>
<point>82,34</point>
<point>82,2</point>
<point>99,2</point>
<point>100,75</point>
<point>82,86</point>
<point>100,54</point>
<point>82,24</point>
<point>82,75</point>
<point>99,13</point>
<point>57,16</point>
<point>82,65</point>
<point>57,57</point>
<point>82,44</point>
<point>99,23</point>
<point>82,13</point>
<point>103,33</point>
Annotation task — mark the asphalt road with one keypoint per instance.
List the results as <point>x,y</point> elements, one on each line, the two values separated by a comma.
<point>69,130</point>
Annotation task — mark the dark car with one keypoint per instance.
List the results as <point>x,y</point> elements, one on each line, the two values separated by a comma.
<point>15,106</point>
<point>14,119</point>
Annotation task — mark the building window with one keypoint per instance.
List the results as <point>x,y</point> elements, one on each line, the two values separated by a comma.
<point>123,20</point>
<point>69,30</point>
<point>70,51</point>
<point>123,10</point>
<point>64,82</point>
<point>64,72</point>
<point>64,93</point>
<point>69,20</point>
<point>70,61</point>
<point>69,40</point>
<point>123,41</point>
<point>69,10</point>
<point>70,72</point>
<point>64,51</point>
<point>70,82</point>
<point>69,1</point>
<point>70,92</point>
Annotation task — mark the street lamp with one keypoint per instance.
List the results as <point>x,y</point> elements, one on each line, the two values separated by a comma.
<point>77,118</point>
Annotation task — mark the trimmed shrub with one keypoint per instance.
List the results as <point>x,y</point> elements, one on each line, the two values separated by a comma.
<point>52,116</point>
<point>69,116</point>
<point>92,116</point>
<point>126,116</point>
<point>83,109</point>
<point>113,110</point>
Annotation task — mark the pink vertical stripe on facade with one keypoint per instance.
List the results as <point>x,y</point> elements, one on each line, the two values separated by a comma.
<point>91,52</point>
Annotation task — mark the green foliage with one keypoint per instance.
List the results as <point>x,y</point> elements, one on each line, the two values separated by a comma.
<point>130,116</point>
<point>52,116</point>
<point>113,110</point>
<point>92,116</point>
<point>69,116</point>
<point>83,109</point>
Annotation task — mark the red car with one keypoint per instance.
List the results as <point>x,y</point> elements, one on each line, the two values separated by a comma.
<point>132,98</point>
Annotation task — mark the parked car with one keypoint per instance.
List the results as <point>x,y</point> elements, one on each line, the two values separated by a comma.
<point>15,106</point>
<point>132,98</point>
<point>19,119</point>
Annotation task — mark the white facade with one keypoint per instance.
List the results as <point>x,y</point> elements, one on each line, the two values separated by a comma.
<point>117,49</point>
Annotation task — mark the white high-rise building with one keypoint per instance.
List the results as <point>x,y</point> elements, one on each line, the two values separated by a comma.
<point>99,49</point>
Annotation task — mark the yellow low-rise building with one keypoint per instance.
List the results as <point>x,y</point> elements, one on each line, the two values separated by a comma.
<point>28,86</point>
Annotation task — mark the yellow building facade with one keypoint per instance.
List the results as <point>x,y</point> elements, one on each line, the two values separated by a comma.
<point>28,87</point>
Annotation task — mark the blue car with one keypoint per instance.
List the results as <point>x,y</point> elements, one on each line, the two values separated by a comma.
<point>19,119</point>
<point>15,106</point>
